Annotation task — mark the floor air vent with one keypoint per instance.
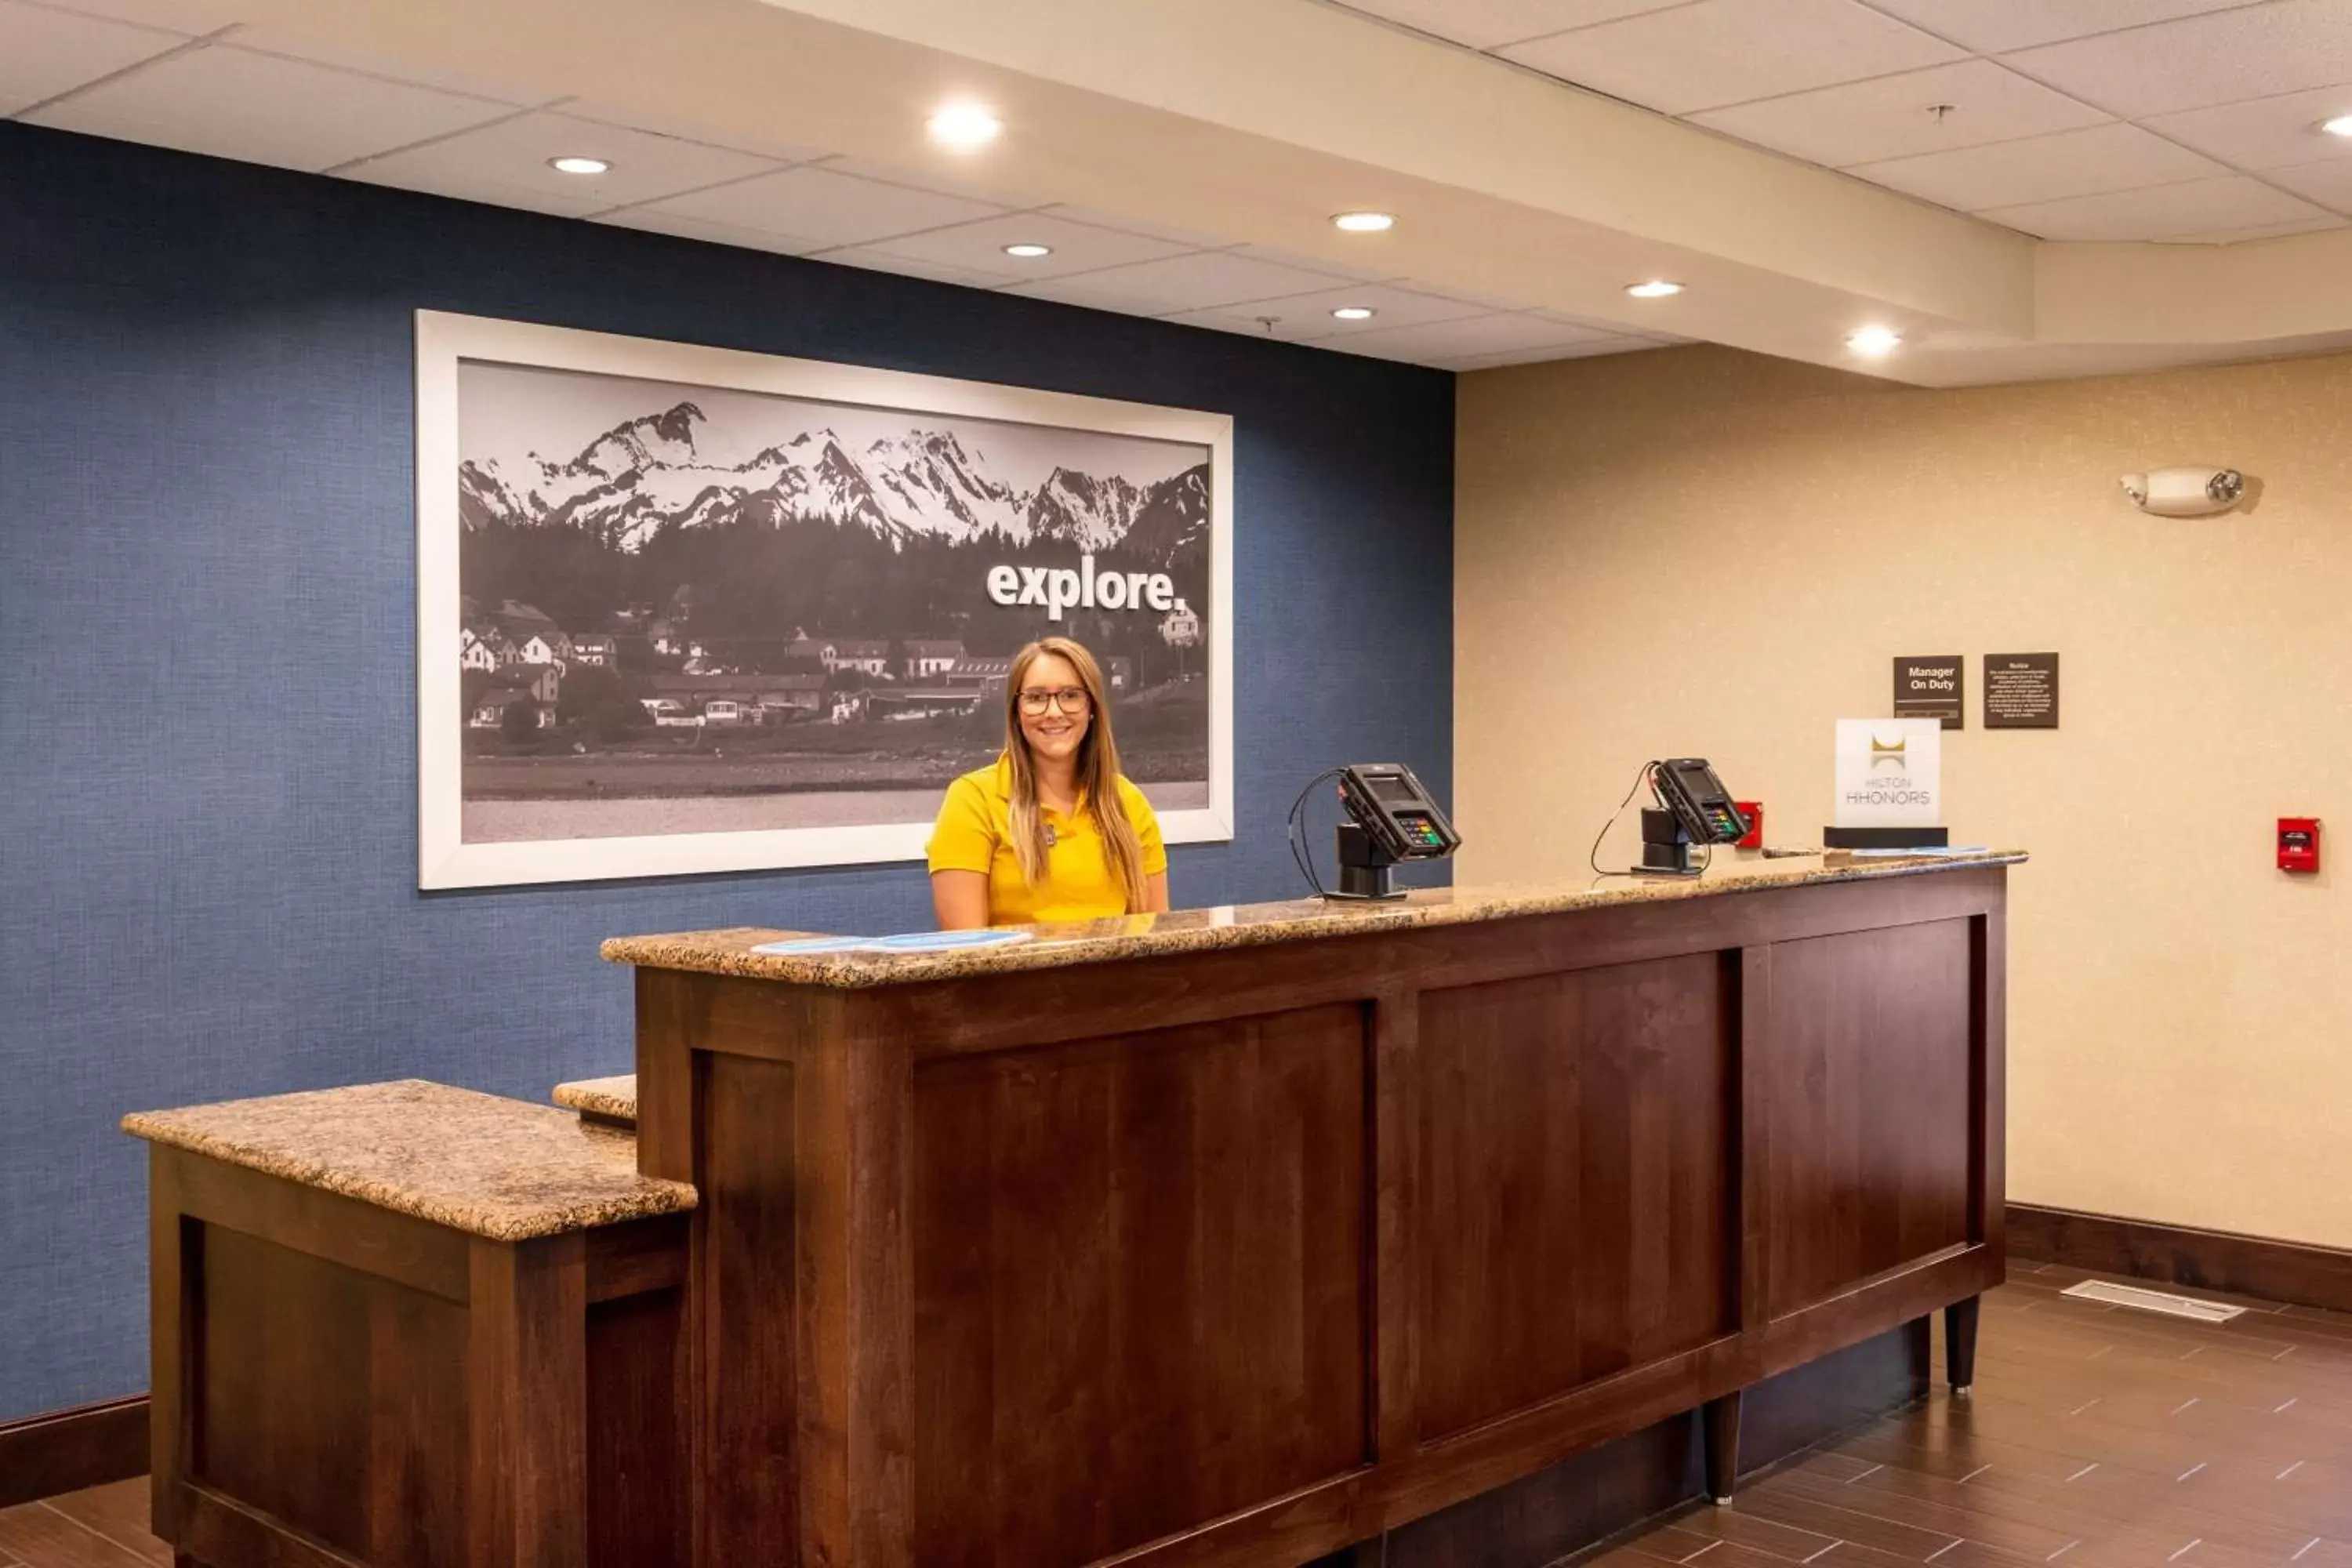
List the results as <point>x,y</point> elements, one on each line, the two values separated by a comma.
<point>2153,1301</point>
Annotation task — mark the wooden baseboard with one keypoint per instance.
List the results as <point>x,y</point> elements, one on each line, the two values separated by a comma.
<point>2287,1271</point>
<point>66,1450</point>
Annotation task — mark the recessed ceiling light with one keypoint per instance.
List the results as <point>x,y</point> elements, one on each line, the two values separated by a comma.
<point>578,165</point>
<point>965,126</point>
<point>1027,252</point>
<point>1355,312</point>
<point>2339,126</point>
<point>1874,342</point>
<point>1364,223</point>
<point>1655,288</point>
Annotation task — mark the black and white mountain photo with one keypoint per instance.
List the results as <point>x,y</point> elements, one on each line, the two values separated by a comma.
<point>697,609</point>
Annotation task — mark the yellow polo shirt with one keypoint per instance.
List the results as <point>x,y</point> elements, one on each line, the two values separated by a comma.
<point>974,833</point>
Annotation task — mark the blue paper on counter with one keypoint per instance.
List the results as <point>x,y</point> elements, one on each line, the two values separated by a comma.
<point>910,942</point>
<point>808,945</point>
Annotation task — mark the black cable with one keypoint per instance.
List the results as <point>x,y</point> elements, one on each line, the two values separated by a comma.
<point>1300,856</point>
<point>1592,856</point>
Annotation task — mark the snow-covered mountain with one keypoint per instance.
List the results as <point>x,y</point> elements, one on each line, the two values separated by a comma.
<point>654,473</point>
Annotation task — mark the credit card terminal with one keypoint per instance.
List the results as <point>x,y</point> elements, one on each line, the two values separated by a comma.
<point>1392,808</point>
<point>1687,788</point>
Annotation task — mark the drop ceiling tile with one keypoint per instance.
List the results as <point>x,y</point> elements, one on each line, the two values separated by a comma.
<point>2262,231</point>
<point>1595,329</point>
<point>953,176</point>
<point>1484,24</point>
<point>1301,318</point>
<point>233,103</point>
<point>2112,157</point>
<point>1892,116</point>
<point>1127,223</point>
<point>654,220</point>
<point>290,45</point>
<point>979,247</point>
<point>506,163</point>
<point>820,205</point>
<point>44,53</point>
<point>1195,282</point>
<point>1359,272</point>
<point>1992,27</point>
<point>874,260</point>
<point>1592,350</point>
<point>2329,183</point>
<point>2158,211</point>
<point>605,114</point>
<point>1508,332</point>
<point>1720,52</point>
<point>2253,51</point>
<point>189,18</point>
<point>2267,132</point>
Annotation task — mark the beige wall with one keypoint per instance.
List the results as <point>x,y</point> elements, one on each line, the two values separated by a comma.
<point>1700,552</point>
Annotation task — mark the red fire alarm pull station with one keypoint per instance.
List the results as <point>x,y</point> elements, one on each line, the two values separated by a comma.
<point>2298,848</point>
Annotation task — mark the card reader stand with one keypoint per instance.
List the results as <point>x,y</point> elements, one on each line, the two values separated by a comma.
<point>1665,846</point>
<point>1367,871</point>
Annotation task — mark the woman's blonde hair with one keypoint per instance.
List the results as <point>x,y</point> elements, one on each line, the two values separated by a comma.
<point>1098,774</point>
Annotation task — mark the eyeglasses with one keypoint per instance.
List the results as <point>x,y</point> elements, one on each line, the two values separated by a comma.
<point>1068,698</point>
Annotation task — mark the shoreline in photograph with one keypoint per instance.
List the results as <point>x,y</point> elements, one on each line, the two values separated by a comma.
<point>544,819</point>
<point>624,776</point>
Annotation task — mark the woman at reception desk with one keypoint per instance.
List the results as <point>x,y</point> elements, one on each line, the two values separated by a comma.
<point>1051,830</point>
<point>1227,1239</point>
<point>1223,1238</point>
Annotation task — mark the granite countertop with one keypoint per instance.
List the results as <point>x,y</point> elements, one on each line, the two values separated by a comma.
<point>614,1099</point>
<point>503,1169</point>
<point>729,952</point>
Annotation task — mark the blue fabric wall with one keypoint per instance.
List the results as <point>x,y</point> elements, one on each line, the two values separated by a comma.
<point>207,756</point>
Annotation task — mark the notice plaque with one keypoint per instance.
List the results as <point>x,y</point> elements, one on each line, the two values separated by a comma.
<point>2021,691</point>
<point>1928,687</point>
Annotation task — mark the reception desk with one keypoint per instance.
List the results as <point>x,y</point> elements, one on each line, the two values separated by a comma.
<point>1234,1237</point>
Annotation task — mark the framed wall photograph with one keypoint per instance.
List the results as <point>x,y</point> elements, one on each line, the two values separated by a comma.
<point>686,610</point>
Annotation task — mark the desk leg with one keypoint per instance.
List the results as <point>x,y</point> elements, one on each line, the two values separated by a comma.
<point>1961,1343</point>
<point>1719,1418</point>
<point>528,1438</point>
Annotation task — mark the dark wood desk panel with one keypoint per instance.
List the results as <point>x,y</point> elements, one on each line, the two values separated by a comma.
<point>1576,1137</point>
<point>1226,1257</point>
<point>1140,1294</point>
<point>1868,1079</point>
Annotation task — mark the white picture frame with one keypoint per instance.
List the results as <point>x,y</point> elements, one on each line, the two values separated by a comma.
<point>444,341</point>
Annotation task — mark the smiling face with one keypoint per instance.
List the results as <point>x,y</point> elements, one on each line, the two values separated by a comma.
<point>1056,728</point>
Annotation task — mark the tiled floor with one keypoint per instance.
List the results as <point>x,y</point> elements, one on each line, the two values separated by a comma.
<point>2098,1439</point>
<point>105,1527</point>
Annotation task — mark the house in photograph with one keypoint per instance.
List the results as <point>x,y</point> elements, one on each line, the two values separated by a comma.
<point>928,657</point>
<point>543,682</point>
<point>545,647</point>
<point>923,701</point>
<point>784,699</point>
<point>984,674</point>
<point>477,651</point>
<point>663,635</point>
<point>669,712</point>
<point>870,656</point>
<point>747,699</point>
<point>848,706</point>
<point>600,652</point>
<point>490,710</point>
